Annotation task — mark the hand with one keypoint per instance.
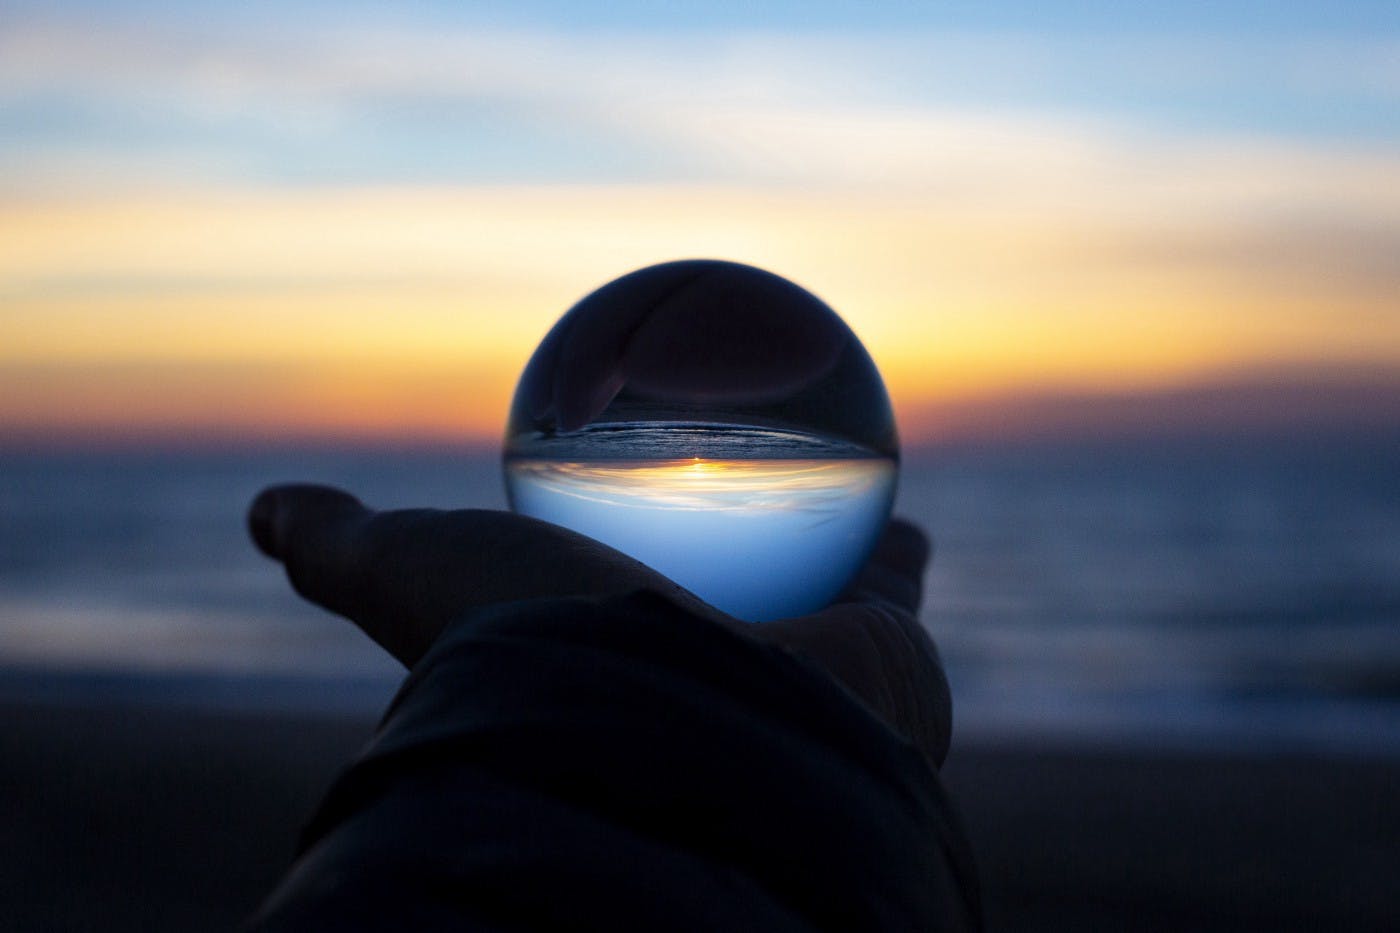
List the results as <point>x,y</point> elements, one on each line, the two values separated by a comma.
<point>403,576</point>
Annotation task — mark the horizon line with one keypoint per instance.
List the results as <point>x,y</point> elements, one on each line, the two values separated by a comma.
<point>1261,404</point>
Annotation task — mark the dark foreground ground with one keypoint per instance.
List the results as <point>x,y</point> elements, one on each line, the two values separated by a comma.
<point>131,818</point>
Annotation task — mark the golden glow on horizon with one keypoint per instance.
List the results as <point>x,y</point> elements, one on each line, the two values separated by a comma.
<point>410,313</point>
<point>749,486</point>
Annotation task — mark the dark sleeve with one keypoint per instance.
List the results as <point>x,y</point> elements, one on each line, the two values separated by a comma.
<point>624,765</point>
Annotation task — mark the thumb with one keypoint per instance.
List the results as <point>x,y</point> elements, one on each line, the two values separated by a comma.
<point>315,532</point>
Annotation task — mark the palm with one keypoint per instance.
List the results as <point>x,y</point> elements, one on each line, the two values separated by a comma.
<point>403,576</point>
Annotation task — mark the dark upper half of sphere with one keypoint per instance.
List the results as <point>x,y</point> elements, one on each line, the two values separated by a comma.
<point>704,341</point>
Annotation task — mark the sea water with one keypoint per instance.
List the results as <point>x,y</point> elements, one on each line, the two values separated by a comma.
<point>1227,592</point>
<point>763,524</point>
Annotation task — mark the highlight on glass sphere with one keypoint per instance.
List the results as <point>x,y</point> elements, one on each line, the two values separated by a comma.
<point>716,422</point>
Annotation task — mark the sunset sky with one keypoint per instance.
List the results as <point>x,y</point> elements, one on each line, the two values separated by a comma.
<point>302,221</point>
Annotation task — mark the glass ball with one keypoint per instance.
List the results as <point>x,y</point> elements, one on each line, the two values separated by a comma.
<point>716,422</point>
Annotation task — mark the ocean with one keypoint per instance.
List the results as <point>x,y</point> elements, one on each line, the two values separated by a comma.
<point>1222,592</point>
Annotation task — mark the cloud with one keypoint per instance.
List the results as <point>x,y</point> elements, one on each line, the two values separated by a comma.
<point>231,195</point>
<point>894,108</point>
<point>1289,402</point>
<point>356,104</point>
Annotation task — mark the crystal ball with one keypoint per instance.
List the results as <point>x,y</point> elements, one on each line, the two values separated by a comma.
<point>716,422</point>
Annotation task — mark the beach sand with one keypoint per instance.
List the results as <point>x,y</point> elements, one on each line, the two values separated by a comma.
<point>127,817</point>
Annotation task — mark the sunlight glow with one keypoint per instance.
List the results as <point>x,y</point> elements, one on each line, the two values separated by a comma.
<point>282,318</point>
<point>364,231</point>
<point>749,486</point>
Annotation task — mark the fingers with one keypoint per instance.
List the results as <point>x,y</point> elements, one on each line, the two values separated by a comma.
<point>871,642</point>
<point>381,570</point>
<point>316,532</point>
<point>917,686</point>
<point>402,576</point>
<point>913,689</point>
<point>884,657</point>
<point>904,548</point>
<point>894,573</point>
<point>281,517</point>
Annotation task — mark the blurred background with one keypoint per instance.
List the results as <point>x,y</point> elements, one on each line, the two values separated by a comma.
<point>1131,272</point>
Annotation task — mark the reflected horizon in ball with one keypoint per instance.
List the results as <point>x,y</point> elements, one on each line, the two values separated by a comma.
<point>717,423</point>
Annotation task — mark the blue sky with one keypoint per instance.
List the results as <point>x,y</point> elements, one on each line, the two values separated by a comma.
<point>1249,17</point>
<point>420,92</point>
<point>344,217</point>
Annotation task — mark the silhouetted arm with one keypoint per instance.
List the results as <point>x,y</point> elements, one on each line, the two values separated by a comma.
<point>612,752</point>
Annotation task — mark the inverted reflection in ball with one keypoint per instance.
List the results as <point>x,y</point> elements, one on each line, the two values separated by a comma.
<point>716,422</point>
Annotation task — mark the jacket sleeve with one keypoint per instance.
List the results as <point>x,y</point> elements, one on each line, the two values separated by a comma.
<point>622,764</point>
